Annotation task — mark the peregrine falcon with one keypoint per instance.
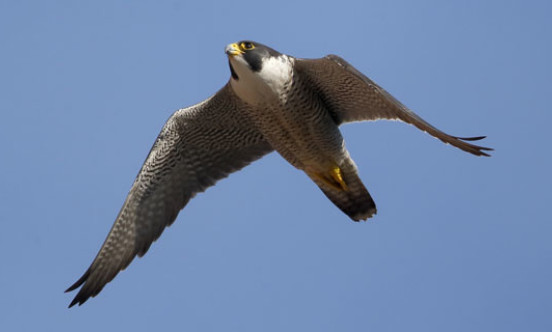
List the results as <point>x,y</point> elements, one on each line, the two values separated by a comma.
<point>272,102</point>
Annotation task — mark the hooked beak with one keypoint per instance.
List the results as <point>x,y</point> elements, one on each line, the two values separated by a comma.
<point>233,50</point>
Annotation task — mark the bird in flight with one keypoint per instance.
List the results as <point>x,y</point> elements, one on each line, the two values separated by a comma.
<point>272,102</point>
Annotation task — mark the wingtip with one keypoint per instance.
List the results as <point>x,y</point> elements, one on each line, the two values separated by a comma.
<point>474,149</point>
<point>79,282</point>
<point>79,298</point>
<point>484,154</point>
<point>73,303</point>
<point>72,287</point>
<point>476,138</point>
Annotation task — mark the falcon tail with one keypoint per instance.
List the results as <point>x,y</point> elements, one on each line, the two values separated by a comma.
<point>345,189</point>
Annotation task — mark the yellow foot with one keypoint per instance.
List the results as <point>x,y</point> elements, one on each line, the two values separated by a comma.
<point>333,178</point>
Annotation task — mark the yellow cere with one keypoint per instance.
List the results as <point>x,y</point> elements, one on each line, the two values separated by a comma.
<point>236,49</point>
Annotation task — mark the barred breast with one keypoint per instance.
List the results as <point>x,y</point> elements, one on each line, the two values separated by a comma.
<point>298,126</point>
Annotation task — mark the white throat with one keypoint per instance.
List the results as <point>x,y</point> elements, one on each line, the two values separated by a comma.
<point>265,85</point>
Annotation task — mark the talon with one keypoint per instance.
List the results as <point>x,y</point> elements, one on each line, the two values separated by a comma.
<point>333,178</point>
<point>338,177</point>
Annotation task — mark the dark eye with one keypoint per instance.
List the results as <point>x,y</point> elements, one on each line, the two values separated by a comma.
<point>247,46</point>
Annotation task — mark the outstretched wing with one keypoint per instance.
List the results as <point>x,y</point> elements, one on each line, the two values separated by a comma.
<point>351,96</point>
<point>196,147</point>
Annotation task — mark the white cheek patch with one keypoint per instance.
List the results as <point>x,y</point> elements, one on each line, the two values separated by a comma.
<point>276,72</point>
<point>269,83</point>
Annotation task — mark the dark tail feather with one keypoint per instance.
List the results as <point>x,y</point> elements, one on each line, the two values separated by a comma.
<point>355,201</point>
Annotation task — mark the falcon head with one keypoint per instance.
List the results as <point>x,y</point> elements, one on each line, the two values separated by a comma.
<point>259,73</point>
<point>249,55</point>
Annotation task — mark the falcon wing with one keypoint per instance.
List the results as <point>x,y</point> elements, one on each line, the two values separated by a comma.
<point>351,96</point>
<point>196,147</point>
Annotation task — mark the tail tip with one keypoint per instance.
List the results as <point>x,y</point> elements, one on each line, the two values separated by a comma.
<point>364,215</point>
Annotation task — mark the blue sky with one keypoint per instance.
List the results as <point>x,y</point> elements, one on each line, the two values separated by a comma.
<point>460,243</point>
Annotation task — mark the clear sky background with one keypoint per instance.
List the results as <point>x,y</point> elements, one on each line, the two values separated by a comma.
<point>460,243</point>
